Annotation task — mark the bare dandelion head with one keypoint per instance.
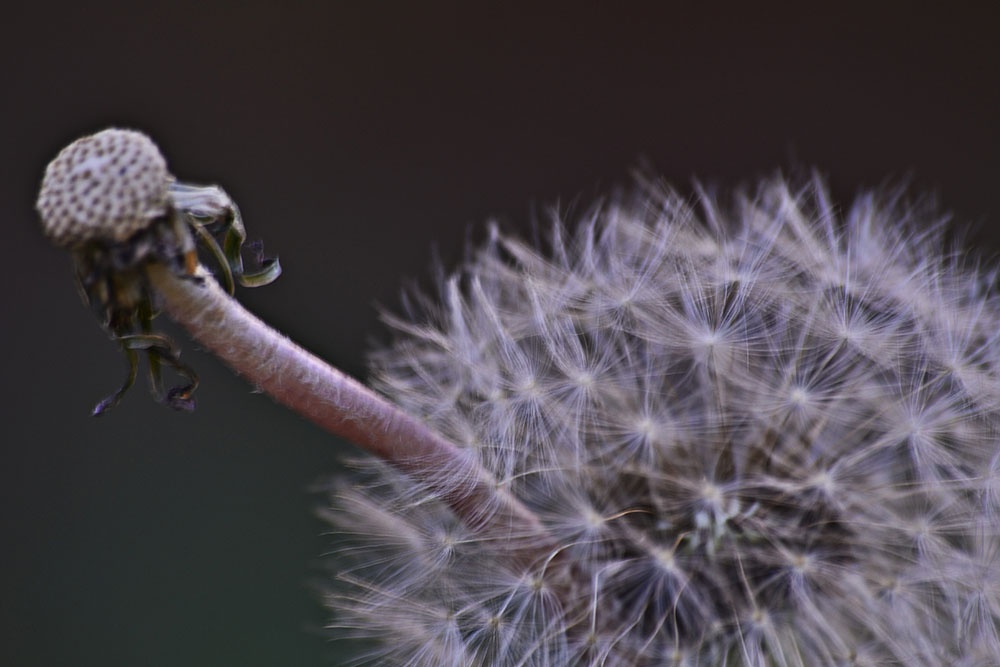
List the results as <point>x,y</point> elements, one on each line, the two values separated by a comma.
<point>110,200</point>
<point>106,186</point>
<point>762,432</point>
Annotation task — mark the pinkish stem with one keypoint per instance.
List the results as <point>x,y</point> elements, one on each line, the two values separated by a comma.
<point>341,405</point>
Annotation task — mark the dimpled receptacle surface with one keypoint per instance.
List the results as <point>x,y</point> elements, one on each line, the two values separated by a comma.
<point>103,187</point>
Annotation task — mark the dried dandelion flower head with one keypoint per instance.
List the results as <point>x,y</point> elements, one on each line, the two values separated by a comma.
<point>761,432</point>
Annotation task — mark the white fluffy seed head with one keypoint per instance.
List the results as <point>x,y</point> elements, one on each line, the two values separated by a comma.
<point>763,433</point>
<point>103,187</point>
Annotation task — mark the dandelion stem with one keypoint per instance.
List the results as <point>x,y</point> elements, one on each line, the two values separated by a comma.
<point>341,405</point>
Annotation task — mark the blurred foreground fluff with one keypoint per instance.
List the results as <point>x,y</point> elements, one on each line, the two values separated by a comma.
<point>763,431</point>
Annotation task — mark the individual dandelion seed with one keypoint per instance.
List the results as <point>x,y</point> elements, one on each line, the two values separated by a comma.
<point>762,431</point>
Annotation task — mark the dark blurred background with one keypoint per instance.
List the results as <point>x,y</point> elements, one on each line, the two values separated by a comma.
<point>356,140</point>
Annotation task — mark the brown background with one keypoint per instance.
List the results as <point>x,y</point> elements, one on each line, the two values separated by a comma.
<point>355,141</point>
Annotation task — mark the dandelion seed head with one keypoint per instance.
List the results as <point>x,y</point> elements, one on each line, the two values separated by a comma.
<point>762,432</point>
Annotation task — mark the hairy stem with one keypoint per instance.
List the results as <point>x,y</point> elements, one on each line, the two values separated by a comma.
<point>341,405</point>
